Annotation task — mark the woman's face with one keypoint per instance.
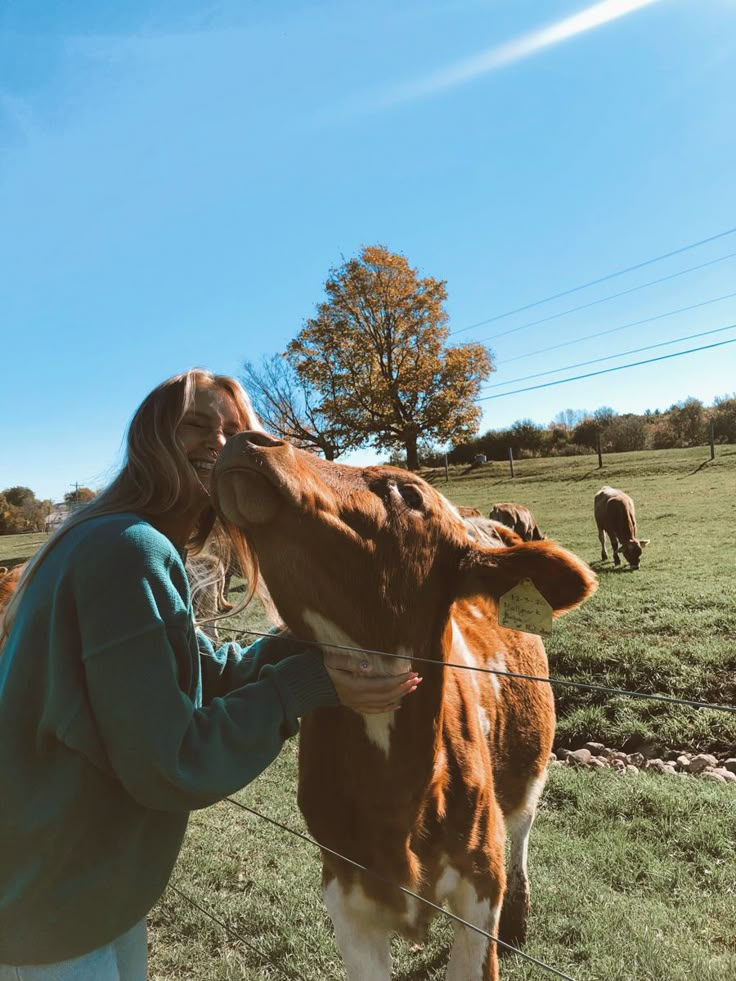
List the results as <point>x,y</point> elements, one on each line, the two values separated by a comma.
<point>210,421</point>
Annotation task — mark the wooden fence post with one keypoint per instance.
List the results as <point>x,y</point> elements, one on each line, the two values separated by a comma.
<point>447,471</point>
<point>600,457</point>
<point>712,440</point>
<point>511,460</point>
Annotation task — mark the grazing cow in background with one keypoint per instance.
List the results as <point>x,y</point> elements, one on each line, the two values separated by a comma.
<point>519,519</point>
<point>376,559</point>
<point>614,515</point>
<point>467,512</point>
<point>490,533</point>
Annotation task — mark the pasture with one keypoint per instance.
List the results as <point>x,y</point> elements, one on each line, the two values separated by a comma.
<point>632,877</point>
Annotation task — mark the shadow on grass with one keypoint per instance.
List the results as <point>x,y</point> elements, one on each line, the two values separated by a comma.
<point>421,971</point>
<point>586,476</point>
<point>697,469</point>
<point>602,567</point>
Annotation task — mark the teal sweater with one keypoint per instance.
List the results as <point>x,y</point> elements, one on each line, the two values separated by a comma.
<point>116,719</point>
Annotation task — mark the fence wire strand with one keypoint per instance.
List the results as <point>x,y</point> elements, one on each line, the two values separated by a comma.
<point>563,682</point>
<point>233,933</point>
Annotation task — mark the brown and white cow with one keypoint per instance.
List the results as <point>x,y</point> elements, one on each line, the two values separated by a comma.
<point>520,519</point>
<point>614,515</point>
<point>423,797</point>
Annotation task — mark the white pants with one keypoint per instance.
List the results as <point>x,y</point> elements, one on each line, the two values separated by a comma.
<point>123,959</point>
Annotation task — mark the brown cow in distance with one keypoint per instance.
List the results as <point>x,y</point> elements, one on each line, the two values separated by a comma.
<point>614,515</point>
<point>518,519</point>
<point>490,533</point>
<point>467,512</point>
<point>376,559</point>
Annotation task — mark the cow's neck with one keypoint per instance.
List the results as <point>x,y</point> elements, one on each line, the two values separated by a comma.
<point>375,771</point>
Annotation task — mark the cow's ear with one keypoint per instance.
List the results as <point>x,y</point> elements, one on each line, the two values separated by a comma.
<point>561,577</point>
<point>644,542</point>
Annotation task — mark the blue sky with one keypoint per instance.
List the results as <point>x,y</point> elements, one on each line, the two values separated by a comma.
<point>177,178</point>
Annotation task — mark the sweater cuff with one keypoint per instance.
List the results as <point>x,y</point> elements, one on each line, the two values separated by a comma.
<point>303,683</point>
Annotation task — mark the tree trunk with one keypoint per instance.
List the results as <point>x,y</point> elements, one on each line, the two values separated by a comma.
<point>412,457</point>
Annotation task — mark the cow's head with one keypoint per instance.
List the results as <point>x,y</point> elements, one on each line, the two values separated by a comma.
<point>632,551</point>
<point>375,552</point>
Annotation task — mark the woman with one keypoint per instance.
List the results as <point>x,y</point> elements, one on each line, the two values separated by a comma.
<point>116,717</point>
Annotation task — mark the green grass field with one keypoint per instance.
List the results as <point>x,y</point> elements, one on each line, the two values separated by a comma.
<point>15,549</point>
<point>633,877</point>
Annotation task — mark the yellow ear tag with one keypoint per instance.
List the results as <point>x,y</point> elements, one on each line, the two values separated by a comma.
<point>524,608</point>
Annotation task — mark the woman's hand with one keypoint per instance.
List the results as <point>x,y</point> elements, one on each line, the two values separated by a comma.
<point>371,695</point>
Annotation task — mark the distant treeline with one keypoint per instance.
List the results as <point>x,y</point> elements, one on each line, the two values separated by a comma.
<point>21,511</point>
<point>577,431</point>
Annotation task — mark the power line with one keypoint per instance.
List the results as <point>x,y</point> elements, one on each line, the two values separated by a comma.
<point>601,279</point>
<point>606,371</point>
<point>610,357</point>
<point>604,299</point>
<point>613,330</point>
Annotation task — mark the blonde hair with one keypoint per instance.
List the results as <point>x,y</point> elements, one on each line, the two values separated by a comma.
<point>156,477</point>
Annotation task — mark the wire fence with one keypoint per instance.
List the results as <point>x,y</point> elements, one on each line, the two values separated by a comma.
<point>287,638</point>
<point>233,933</point>
<point>551,680</point>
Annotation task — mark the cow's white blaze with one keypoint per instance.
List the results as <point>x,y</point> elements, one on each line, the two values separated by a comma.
<point>378,726</point>
<point>462,653</point>
<point>497,663</point>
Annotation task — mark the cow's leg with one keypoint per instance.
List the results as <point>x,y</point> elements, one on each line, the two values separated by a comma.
<point>365,947</point>
<point>515,911</point>
<point>614,543</point>
<point>602,538</point>
<point>474,957</point>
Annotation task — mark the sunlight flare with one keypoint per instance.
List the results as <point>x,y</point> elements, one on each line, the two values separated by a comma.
<point>499,56</point>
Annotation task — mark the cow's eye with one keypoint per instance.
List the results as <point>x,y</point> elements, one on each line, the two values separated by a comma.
<point>412,496</point>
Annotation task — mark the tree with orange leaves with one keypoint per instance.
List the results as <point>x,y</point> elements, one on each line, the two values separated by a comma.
<point>376,353</point>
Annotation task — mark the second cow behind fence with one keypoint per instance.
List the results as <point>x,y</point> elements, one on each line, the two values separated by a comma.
<point>615,517</point>
<point>423,797</point>
<point>519,518</point>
